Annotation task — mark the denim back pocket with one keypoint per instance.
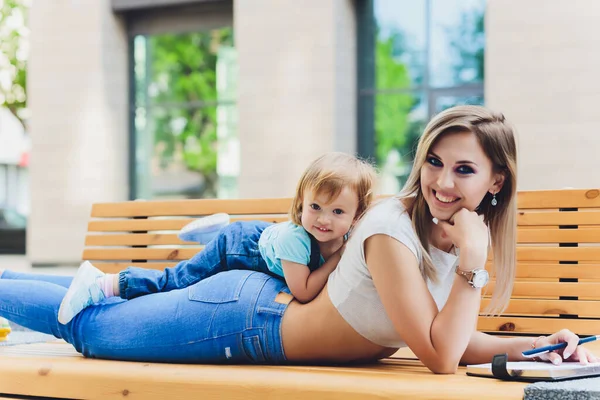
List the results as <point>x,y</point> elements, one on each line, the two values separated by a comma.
<point>253,349</point>
<point>218,289</point>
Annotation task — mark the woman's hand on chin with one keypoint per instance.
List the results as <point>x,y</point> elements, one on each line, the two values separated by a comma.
<point>468,232</point>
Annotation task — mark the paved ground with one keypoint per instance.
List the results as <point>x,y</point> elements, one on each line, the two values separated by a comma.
<point>21,263</point>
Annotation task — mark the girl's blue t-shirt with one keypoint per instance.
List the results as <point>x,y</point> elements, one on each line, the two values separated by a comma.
<point>285,241</point>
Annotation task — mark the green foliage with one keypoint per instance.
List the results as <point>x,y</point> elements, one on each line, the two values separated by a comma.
<point>184,99</point>
<point>392,110</point>
<point>13,57</point>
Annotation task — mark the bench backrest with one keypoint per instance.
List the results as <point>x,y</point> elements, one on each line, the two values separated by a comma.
<point>558,265</point>
<point>558,269</point>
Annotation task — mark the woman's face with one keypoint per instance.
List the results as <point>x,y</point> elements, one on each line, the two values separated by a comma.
<point>457,174</point>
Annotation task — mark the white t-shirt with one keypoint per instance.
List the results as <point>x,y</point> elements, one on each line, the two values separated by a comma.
<point>351,287</point>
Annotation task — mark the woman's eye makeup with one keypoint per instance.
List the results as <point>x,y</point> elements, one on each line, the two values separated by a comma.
<point>461,169</point>
<point>434,161</point>
<point>465,170</point>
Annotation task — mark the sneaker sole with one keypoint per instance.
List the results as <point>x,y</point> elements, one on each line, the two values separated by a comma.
<point>64,319</point>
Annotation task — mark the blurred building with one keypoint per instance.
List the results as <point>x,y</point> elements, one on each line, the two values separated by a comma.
<point>14,183</point>
<point>199,98</point>
<point>14,159</point>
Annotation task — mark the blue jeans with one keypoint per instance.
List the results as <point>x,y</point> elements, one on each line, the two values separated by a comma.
<point>236,247</point>
<point>231,317</point>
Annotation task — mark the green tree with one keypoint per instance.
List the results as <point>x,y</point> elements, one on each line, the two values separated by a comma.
<point>391,110</point>
<point>184,99</point>
<point>13,56</point>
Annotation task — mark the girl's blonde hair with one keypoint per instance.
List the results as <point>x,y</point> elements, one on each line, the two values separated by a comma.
<point>497,139</point>
<point>329,174</point>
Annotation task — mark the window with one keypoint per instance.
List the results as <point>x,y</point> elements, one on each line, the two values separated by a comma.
<point>184,113</point>
<point>416,58</point>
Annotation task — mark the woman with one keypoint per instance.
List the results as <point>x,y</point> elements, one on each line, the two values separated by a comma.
<point>395,285</point>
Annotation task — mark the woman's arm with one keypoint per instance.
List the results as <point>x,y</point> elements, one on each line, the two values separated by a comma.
<point>483,347</point>
<point>439,339</point>
<point>304,284</point>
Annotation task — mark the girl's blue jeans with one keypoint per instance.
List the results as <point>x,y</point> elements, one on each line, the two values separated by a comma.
<point>230,317</point>
<point>236,247</point>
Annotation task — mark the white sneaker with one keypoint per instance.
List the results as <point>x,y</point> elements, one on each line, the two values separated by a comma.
<point>83,292</point>
<point>205,229</point>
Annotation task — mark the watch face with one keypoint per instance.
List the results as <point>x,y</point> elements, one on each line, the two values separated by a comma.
<point>480,278</point>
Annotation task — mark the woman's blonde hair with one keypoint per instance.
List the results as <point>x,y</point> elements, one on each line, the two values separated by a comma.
<point>497,139</point>
<point>329,174</point>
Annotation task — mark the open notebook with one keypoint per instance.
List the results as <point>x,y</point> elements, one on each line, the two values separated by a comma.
<point>537,371</point>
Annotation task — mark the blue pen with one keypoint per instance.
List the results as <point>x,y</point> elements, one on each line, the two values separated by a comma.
<point>536,352</point>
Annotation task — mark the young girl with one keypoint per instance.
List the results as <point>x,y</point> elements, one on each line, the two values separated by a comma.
<point>401,281</point>
<point>331,195</point>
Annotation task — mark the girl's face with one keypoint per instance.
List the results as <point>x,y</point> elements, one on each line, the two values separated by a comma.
<point>329,219</point>
<point>457,174</point>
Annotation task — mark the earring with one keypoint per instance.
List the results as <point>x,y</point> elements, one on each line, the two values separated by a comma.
<point>494,201</point>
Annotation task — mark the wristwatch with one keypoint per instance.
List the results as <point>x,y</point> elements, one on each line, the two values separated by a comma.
<point>477,278</point>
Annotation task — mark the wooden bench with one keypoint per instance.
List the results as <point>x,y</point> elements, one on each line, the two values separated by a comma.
<point>558,265</point>
<point>558,285</point>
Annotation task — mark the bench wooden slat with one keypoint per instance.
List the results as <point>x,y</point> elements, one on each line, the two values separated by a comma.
<point>531,253</point>
<point>591,235</point>
<point>139,254</point>
<point>139,225</point>
<point>534,326</point>
<point>583,290</point>
<point>556,218</point>
<point>145,225</point>
<point>546,199</point>
<point>541,307</point>
<point>114,267</point>
<point>190,207</point>
<point>579,271</point>
<point>137,239</point>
